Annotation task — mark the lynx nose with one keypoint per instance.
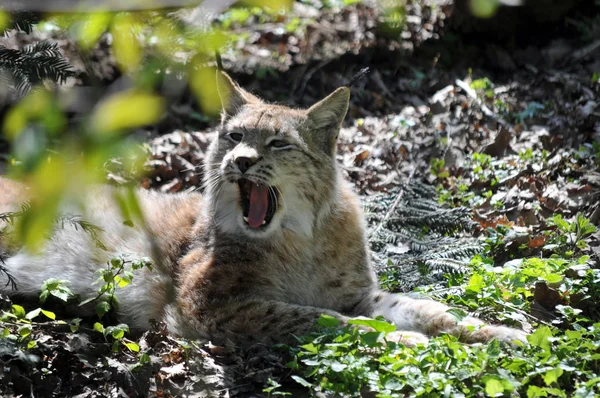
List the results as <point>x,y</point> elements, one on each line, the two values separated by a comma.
<point>244,163</point>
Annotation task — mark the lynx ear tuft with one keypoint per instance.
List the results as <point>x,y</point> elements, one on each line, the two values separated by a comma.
<point>233,97</point>
<point>330,111</point>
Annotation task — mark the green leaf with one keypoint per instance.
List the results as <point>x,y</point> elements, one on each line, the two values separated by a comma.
<point>133,347</point>
<point>552,376</point>
<point>553,278</point>
<point>476,283</point>
<point>74,324</point>
<point>117,334</point>
<point>371,338</point>
<point>44,295</point>
<point>302,382</point>
<point>102,308</point>
<point>310,347</point>
<point>32,314</point>
<point>535,392</point>
<point>98,327</point>
<point>458,314</point>
<point>540,337</point>
<point>493,387</point>
<point>328,321</point>
<point>18,311</point>
<point>122,282</point>
<point>49,314</point>
<point>24,330</point>
<point>118,113</point>
<point>60,294</point>
<point>31,344</point>
<point>380,326</point>
<point>145,359</point>
<point>338,367</point>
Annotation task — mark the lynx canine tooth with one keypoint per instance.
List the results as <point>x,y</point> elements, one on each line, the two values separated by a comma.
<point>246,219</point>
<point>264,222</point>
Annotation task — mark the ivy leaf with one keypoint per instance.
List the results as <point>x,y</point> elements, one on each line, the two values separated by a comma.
<point>458,314</point>
<point>379,326</point>
<point>493,387</point>
<point>552,376</point>
<point>540,337</point>
<point>328,321</point>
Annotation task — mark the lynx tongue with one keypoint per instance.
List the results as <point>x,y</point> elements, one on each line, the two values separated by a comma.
<point>259,203</point>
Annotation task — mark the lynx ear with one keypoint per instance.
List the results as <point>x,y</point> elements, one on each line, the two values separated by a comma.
<point>327,116</point>
<point>233,97</point>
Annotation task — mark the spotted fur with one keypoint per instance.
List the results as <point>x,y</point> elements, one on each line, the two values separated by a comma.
<point>221,279</point>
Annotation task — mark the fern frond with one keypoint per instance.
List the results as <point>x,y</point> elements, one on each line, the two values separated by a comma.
<point>10,217</point>
<point>446,265</point>
<point>22,21</point>
<point>417,238</point>
<point>33,64</point>
<point>78,222</point>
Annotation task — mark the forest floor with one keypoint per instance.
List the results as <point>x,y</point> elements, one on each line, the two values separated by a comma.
<point>509,129</point>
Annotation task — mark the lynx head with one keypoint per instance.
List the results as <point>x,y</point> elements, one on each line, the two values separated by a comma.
<point>272,167</point>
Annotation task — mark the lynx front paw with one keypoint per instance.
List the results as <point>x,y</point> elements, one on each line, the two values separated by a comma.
<point>409,339</point>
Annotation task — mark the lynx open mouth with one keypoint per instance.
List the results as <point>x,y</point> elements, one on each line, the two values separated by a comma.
<point>259,203</point>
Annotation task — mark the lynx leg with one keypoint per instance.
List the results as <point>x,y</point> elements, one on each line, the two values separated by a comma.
<point>431,318</point>
<point>247,321</point>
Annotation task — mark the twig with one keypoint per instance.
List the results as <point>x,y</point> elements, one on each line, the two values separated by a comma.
<point>585,51</point>
<point>392,208</point>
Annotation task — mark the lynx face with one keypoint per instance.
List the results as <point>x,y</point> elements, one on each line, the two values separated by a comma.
<point>272,167</point>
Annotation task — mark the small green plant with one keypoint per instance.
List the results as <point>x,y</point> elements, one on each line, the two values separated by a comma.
<point>56,288</point>
<point>118,273</point>
<point>438,168</point>
<point>117,333</point>
<point>19,324</point>
<point>570,235</point>
<point>483,86</point>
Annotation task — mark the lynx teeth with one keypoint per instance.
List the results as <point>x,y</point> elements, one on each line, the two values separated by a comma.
<point>246,219</point>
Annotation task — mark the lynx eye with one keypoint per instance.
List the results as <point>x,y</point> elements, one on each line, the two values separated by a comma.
<point>235,137</point>
<point>280,144</point>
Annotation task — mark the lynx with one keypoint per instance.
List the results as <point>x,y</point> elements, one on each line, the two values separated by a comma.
<point>276,239</point>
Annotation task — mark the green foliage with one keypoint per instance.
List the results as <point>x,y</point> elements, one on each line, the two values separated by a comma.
<point>19,326</point>
<point>350,362</point>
